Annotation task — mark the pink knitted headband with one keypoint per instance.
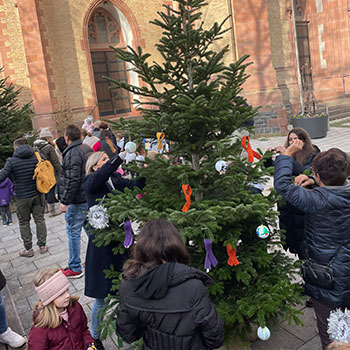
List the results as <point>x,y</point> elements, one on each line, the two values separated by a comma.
<point>52,288</point>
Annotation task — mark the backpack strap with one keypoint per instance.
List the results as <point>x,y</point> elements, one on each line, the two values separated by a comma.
<point>38,156</point>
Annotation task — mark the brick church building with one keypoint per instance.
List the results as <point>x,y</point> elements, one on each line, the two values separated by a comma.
<point>58,51</point>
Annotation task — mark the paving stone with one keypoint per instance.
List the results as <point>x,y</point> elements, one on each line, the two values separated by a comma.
<point>32,299</point>
<point>309,330</point>
<point>13,283</point>
<point>22,292</point>
<point>23,305</point>
<point>48,260</point>
<point>313,344</point>
<point>280,340</point>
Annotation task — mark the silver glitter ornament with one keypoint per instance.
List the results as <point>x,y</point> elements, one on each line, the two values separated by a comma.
<point>98,217</point>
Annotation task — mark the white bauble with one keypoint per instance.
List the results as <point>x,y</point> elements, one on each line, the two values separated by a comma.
<point>130,147</point>
<point>264,333</point>
<point>221,166</point>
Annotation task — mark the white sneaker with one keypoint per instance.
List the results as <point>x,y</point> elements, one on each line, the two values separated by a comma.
<point>12,338</point>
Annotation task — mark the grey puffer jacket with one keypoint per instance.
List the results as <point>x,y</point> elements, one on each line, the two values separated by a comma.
<point>327,229</point>
<point>49,152</point>
<point>20,169</point>
<point>73,172</point>
<point>170,309</point>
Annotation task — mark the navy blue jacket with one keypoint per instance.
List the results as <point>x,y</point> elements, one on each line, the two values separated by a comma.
<point>327,229</point>
<point>20,168</point>
<point>101,258</point>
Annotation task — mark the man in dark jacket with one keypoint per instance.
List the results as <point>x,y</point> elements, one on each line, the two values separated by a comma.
<point>327,227</point>
<point>20,168</point>
<point>73,199</point>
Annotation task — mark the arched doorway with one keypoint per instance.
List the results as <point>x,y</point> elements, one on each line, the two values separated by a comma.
<point>104,30</point>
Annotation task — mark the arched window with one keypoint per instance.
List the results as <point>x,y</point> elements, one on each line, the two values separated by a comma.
<point>104,31</point>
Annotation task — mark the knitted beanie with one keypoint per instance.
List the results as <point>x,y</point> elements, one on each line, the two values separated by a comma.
<point>45,132</point>
<point>52,288</point>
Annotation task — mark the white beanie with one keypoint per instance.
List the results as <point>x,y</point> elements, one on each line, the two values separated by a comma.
<point>45,132</point>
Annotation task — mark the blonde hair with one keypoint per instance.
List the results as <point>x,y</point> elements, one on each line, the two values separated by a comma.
<point>92,161</point>
<point>338,346</point>
<point>47,316</point>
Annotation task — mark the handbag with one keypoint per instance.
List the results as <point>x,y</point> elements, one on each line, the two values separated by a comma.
<point>319,275</point>
<point>2,280</point>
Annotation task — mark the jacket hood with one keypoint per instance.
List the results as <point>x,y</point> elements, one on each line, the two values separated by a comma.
<point>156,282</point>
<point>40,143</point>
<point>24,151</point>
<point>5,183</point>
<point>339,194</point>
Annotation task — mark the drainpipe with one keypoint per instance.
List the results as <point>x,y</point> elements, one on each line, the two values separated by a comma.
<point>233,30</point>
<point>297,59</point>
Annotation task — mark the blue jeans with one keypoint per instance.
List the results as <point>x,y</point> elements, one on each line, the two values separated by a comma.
<point>75,219</point>
<point>3,318</point>
<point>95,319</point>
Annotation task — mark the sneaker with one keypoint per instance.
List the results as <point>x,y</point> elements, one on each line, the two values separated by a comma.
<point>72,274</point>
<point>98,344</point>
<point>9,223</point>
<point>26,253</point>
<point>43,249</point>
<point>4,224</point>
<point>11,338</point>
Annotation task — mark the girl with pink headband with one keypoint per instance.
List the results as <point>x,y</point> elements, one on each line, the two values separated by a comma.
<point>59,320</point>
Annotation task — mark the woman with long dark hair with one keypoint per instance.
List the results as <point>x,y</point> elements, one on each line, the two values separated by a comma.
<point>292,219</point>
<point>163,300</point>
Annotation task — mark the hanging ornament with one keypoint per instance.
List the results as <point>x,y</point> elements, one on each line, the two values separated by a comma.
<point>187,191</point>
<point>262,231</point>
<point>264,333</point>
<point>130,147</point>
<point>251,153</point>
<point>221,166</point>
<point>209,256</point>
<point>98,216</point>
<point>130,157</point>
<point>232,260</point>
<point>139,196</point>
<point>160,137</point>
<point>140,159</point>
<point>339,326</point>
<point>128,234</point>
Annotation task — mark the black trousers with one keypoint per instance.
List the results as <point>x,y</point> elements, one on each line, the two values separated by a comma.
<point>322,312</point>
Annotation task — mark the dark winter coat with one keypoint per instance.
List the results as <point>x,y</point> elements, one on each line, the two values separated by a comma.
<point>49,153</point>
<point>327,229</point>
<point>20,169</point>
<point>74,335</point>
<point>73,172</point>
<point>6,190</point>
<point>291,218</point>
<point>99,259</point>
<point>169,308</point>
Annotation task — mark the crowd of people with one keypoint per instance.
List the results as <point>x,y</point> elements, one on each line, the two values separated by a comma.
<point>162,299</point>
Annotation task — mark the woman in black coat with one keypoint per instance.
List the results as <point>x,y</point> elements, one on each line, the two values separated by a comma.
<point>292,219</point>
<point>102,179</point>
<point>163,300</point>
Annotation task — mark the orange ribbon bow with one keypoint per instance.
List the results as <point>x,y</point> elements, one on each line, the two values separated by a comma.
<point>251,153</point>
<point>160,137</point>
<point>187,191</point>
<point>232,260</point>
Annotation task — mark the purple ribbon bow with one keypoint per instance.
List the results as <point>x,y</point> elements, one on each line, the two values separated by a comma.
<point>209,256</point>
<point>128,234</point>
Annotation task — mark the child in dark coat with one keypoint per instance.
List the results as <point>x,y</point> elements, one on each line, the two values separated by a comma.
<point>6,190</point>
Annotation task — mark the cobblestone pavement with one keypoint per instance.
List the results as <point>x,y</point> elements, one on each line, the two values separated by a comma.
<point>21,271</point>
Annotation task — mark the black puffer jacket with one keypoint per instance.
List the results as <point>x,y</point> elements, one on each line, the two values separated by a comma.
<point>73,172</point>
<point>20,168</point>
<point>170,308</point>
<point>327,229</point>
<point>49,152</point>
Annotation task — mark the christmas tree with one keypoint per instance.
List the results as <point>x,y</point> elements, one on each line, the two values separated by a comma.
<point>193,100</point>
<point>14,120</point>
